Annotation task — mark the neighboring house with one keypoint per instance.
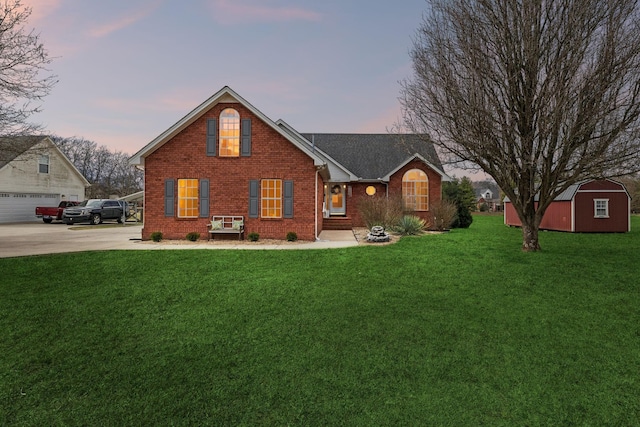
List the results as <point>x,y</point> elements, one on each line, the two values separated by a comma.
<point>227,158</point>
<point>487,196</point>
<point>596,206</point>
<point>34,172</point>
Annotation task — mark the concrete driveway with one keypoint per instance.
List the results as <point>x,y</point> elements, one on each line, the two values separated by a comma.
<point>23,239</point>
<point>38,238</point>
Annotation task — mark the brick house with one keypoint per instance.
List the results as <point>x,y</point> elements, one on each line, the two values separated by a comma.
<point>227,158</point>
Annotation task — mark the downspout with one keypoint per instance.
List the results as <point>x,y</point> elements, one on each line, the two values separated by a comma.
<point>316,208</point>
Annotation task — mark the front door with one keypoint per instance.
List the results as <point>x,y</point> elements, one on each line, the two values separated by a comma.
<point>337,205</point>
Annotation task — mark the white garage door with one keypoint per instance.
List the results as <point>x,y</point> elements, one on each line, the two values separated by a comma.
<point>21,207</point>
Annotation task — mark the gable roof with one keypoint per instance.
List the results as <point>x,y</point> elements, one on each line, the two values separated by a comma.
<point>11,147</point>
<point>226,94</point>
<point>376,156</point>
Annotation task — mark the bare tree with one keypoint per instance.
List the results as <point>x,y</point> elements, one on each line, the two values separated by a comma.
<point>540,94</point>
<point>23,78</point>
<point>108,172</point>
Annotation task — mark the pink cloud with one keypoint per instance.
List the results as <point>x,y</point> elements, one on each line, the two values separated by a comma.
<point>40,9</point>
<point>230,11</point>
<point>124,21</point>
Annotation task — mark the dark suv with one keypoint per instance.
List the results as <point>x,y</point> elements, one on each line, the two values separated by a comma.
<point>95,210</point>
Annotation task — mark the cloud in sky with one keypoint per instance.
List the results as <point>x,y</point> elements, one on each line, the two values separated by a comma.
<point>40,9</point>
<point>234,11</point>
<point>124,21</point>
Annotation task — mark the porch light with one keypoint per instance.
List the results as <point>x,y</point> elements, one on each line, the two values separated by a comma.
<point>371,190</point>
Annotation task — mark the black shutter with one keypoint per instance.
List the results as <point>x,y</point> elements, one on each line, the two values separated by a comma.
<point>212,132</point>
<point>288,199</point>
<point>254,187</point>
<point>245,142</point>
<point>203,194</point>
<point>169,197</point>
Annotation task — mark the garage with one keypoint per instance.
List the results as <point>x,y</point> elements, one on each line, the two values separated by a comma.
<point>21,207</point>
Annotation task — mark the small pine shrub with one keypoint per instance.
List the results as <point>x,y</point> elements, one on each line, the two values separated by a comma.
<point>410,225</point>
<point>156,236</point>
<point>253,237</point>
<point>292,236</point>
<point>193,236</point>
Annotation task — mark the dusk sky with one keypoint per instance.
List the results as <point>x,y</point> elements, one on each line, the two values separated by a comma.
<point>129,69</point>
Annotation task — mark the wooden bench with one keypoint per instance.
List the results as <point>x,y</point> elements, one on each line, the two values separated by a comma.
<point>226,224</point>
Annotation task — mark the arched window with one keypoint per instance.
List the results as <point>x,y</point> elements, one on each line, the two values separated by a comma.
<point>415,190</point>
<point>229,133</point>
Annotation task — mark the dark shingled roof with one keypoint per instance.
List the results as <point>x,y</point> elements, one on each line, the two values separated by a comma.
<point>11,147</point>
<point>373,156</point>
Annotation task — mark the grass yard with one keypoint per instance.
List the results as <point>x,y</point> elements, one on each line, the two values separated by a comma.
<point>454,329</point>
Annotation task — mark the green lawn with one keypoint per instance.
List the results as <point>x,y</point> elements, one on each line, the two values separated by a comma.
<point>454,329</point>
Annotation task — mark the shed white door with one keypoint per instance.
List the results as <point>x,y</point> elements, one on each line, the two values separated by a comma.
<point>21,207</point>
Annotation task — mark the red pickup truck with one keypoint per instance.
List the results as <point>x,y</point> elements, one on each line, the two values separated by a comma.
<point>48,214</point>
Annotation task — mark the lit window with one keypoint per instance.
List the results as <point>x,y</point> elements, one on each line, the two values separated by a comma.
<point>187,198</point>
<point>229,133</point>
<point>415,190</point>
<point>271,198</point>
<point>43,164</point>
<point>371,190</point>
<point>601,208</point>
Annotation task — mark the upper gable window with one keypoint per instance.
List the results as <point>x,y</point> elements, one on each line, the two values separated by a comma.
<point>229,133</point>
<point>43,164</point>
<point>415,190</point>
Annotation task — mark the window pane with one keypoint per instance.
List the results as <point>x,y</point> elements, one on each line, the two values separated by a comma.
<point>187,198</point>
<point>229,133</point>
<point>415,190</point>
<point>271,198</point>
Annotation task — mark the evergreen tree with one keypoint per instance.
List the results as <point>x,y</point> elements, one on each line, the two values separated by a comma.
<point>460,192</point>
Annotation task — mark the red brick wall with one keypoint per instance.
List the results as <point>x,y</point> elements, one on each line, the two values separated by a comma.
<point>435,186</point>
<point>358,191</point>
<point>272,156</point>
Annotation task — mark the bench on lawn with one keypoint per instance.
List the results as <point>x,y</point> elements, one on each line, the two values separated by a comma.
<point>226,224</point>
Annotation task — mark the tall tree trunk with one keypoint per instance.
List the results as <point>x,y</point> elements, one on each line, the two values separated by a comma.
<point>530,242</point>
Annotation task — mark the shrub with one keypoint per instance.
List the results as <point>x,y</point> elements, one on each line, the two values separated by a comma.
<point>253,237</point>
<point>410,225</point>
<point>444,214</point>
<point>463,218</point>
<point>156,236</point>
<point>380,210</point>
<point>193,236</point>
<point>292,236</point>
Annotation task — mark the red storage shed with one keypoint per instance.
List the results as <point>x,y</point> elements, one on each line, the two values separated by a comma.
<point>593,206</point>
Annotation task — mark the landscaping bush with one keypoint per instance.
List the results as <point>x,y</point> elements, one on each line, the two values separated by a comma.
<point>444,214</point>
<point>410,225</point>
<point>253,237</point>
<point>193,236</point>
<point>156,236</point>
<point>380,210</point>
<point>292,236</point>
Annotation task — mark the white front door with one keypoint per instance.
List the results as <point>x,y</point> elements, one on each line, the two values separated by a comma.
<point>337,201</point>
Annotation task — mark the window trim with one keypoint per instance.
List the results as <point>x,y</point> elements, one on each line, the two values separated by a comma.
<point>41,163</point>
<point>278,200</point>
<point>224,140</point>
<point>419,202</point>
<point>605,208</point>
<point>194,210</point>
